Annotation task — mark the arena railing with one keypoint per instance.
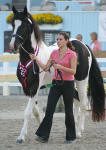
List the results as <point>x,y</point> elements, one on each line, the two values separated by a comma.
<point>8,74</point>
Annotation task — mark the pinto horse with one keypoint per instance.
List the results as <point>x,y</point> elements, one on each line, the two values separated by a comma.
<point>26,39</point>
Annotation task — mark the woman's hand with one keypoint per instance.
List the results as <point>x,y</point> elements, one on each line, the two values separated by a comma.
<point>57,66</point>
<point>32,56</point>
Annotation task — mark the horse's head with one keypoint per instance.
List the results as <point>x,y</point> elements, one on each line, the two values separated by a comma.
<point>23,27</point>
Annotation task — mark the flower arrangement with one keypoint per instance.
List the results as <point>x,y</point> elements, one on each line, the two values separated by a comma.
<point>47,18</point>
<point>43,18</point>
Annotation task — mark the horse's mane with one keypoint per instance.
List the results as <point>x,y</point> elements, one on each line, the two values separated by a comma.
<point>37,32</point>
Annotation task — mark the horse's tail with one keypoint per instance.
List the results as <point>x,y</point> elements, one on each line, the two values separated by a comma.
<point>97,91</point>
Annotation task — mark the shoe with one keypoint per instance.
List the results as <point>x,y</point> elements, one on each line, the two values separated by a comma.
<point>41,139</point>
<point>69,141</point>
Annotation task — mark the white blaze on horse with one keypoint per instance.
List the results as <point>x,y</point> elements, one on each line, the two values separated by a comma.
<point>26,39</point>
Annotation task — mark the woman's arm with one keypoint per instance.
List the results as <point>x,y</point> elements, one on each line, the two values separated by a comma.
<point>72,70</point>
<point>45,67</point>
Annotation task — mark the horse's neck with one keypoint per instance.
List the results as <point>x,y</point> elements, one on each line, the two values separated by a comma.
<point>25,51</point>
<point>34,43</point>
<point>43,52</point>
<point>33,40</point>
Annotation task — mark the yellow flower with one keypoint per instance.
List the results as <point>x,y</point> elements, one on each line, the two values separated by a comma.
<point>43,18</point>
<point>9,18</point>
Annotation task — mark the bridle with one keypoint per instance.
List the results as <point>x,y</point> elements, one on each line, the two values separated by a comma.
<point>21,44</point>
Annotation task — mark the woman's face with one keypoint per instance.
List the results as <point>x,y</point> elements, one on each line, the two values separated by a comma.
<point>93,37</point>
<point>61,42</point>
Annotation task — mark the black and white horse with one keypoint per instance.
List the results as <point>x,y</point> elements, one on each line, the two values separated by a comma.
<point>26,39</point>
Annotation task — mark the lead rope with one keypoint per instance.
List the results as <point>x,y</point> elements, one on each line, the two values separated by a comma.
<point>58,72</point>
<point>35,51</point>
<point>52,62</point>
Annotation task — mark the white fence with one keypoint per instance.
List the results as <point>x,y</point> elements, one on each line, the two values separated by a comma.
<point>8,71</point>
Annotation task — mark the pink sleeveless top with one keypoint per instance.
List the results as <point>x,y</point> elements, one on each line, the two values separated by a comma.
<point>64,61</point>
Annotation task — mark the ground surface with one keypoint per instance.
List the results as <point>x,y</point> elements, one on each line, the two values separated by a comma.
<point>11,120</point>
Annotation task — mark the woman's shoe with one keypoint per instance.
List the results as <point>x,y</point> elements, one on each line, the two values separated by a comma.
<point>69,141</point>
<point>41,139</point>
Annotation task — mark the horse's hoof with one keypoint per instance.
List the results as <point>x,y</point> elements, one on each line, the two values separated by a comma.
<point>82,130</point>
<point>20,141</point>
<point>78,135</point>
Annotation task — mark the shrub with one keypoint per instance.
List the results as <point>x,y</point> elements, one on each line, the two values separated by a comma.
<point>43,18</point>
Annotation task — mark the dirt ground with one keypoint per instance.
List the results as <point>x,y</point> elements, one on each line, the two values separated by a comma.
<point>11,120</point>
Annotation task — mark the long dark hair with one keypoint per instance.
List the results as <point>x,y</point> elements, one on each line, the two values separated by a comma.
<point>66,37</point>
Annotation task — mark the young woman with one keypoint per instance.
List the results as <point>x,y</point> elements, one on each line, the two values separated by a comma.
<point>65,62</point>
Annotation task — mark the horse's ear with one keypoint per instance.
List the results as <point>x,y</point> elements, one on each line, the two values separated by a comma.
<point>14,10</point>
<point>25,10</point>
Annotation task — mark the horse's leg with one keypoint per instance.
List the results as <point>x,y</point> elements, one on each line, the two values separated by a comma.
<point>76,110</point>
<point>31,107</point>
<point>35,110</point>
<point>82,92</point>
<point>27,116</point>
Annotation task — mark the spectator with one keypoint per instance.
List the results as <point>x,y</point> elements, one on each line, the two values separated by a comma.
<point>79,37</point>
<point>95,44</point>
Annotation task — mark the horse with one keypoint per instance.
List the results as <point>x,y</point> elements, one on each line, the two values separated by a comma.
<point>26,39</point>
